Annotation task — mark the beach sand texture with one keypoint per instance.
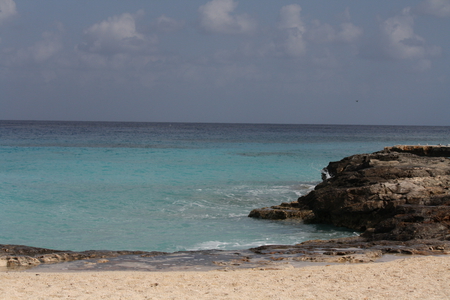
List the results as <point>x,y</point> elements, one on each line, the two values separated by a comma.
<point>409,278</point>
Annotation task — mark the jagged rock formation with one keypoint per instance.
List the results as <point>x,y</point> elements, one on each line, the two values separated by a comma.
<point>388,195</point>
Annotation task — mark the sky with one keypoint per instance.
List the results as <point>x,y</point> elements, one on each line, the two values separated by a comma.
<point>359,62</point>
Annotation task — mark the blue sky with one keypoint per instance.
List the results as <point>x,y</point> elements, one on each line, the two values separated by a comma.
<point>254,61</point>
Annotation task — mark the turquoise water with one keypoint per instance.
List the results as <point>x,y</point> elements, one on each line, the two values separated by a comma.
<point>170,186</point>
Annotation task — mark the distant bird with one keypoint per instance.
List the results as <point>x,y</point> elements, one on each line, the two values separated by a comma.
<point>357,100</point>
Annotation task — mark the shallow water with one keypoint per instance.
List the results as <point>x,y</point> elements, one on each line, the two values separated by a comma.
<point>170,186</point>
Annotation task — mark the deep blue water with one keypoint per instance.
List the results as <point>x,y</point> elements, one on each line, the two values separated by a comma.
<point>170,186</point>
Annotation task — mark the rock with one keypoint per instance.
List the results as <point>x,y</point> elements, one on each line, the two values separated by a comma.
<point>54,258</point>
<point>25,250</point>
<point>439,150</point>
<point>23,256</point>
<point>386,195</point>
<point>281,212</point>
<point>21,261</point>
<point>353,249</point>
<point>3,261</point>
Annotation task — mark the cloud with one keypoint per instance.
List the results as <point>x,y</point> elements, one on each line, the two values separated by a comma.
<point>166,24</point>
<point>292,25</point>
<point>7,9</point>
<point>120,50</point>
<point>297,34</point>
<point>325,33</point>
<point>399,40</point>
<point>115,35</point>
<point>348,32</point>
<point>321,33</point>
<point>438,8</point>
<point>217,16</point>
<point>48,46</point>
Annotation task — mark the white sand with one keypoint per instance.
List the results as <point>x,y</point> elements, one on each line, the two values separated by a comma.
<point>410,278</point>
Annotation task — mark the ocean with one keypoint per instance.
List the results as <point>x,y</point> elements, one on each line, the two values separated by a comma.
<point>171,186</point>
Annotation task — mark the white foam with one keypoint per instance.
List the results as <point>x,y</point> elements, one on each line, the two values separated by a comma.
<point>235,245</point>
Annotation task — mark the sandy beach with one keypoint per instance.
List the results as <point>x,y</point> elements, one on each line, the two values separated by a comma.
<point>408,278</point>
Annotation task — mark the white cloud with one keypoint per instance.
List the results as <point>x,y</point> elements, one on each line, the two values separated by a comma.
<point>290,17</point>
<point>7,9</point>
<point>325,33</point>
<point>120,47</point>
<point>297,34</point>
<point>399,40</point>
<point>292,24</point>
<point>48,46</point>
<point>217,16</point>
<point>438,8</point>
<point>349,32</point>
<point>166,24</point>
<point>345,16</point>
<point>117,34</point>
<point>321,33</point>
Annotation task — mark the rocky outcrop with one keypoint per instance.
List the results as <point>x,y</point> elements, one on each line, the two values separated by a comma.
<point>436,151</point>
<point>388,195</point>
<point>25,256</point>
<point>281,212</point>
<point>270,257</point>
<point>353,249</point>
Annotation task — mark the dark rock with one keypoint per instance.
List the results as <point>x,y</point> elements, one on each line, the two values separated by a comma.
<point>439,151</point>
<point>353,249</point>
<point>25,256</point>
<point>388,195</point>
<point>25,250</point>
<point>281,212</point>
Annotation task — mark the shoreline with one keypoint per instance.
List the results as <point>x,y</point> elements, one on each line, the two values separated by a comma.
<point>188,263</point>
<point>424,277</point>
<point>353,267</point>
<point>353,250</point>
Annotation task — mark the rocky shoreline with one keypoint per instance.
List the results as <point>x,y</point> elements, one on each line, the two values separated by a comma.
<point>392,194</point>
<point>399,198</point>
<point>269,257</point>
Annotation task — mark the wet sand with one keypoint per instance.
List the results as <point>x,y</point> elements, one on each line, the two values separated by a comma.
<point>406,278</point>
